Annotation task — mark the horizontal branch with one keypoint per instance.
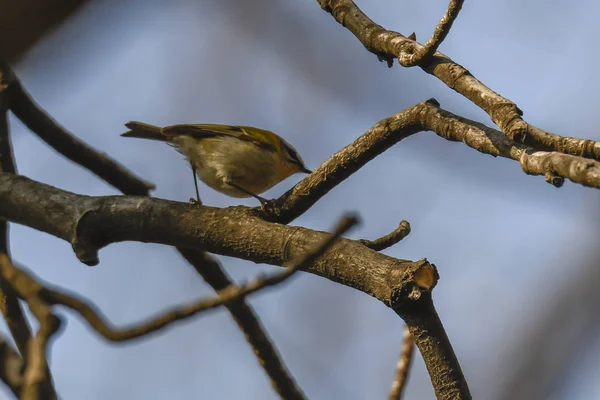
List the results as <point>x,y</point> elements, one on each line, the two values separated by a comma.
<point>40,123</point>
<point>90,223</point>
<point>505,114</point>
<point>245,317</point>
<point>40,296</point>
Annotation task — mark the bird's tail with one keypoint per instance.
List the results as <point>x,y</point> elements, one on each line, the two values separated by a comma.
<point>144,131</point>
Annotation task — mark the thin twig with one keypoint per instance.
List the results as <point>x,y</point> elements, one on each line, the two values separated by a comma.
<point>403,366</point>
<point>390,239</point>
<point>442,29</point>
<point>267,355</point>
<point>36,378</point>
<point>40,123</point>
<point>28,287</point>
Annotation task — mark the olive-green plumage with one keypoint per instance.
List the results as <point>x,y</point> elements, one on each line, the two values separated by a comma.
<point>240,161</point>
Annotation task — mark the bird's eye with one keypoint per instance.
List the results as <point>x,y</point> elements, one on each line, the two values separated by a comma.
<point>294,157</point>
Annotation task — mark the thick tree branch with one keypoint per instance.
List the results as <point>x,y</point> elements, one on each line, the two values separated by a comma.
<point>90,223</point>
<point>43,296</point>
<point>403,367</point>
<point>428,333</point>
<point>40,123</point>
<point>114,174</point>
<point>247,320</point>
<point>425,53</point>
<point>386,44</point>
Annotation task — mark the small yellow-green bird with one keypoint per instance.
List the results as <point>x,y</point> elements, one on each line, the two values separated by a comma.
<point>239,161</point>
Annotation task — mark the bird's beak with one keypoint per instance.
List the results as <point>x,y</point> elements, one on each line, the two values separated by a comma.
<point>306,170</point>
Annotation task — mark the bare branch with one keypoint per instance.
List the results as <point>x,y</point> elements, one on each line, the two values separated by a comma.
<point>347,161</point>
<point>554,166</point>
<point>421,117</point>
<point>248,322</point>
<point>37,382</point>
<point>25,108</point>
<point>390,239</point>
<point>30,289</point>
<point>9,303</point>
<point>428,333</point>
<point>93,222</point>
<point>11,367</point>
<point>503,112</point>
<point>403,367</point>
<point>425,53</point>
<point>36,377</point>
<point>126,182</point>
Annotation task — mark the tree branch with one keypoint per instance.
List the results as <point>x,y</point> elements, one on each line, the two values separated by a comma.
<point>11,367</point>
<point>403,367</point>
<point>9,303</point>
<point>424,54</point>
<point>90,223</point>
<point>503,112</point>
<point>114,174</point>
<point>31,290</point>
<point>390,239</point>
<point>247,320</point>
<point>40,123</point>
<point>425,116</point>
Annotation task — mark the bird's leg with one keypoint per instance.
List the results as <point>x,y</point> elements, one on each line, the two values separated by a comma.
<point>197,200</point>
<point>263,202</point>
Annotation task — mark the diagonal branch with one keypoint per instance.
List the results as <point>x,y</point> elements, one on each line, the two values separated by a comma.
<point>424,54</point>
<point>403,367</point>
<point>505,114</point>
<point>11,367</point>
<point>40,123</point>
<point>43,296</point>
<point>248,322</point>
<point>425,116</point>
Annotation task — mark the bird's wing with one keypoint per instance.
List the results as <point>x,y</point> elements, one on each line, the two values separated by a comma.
<point>201,131</point>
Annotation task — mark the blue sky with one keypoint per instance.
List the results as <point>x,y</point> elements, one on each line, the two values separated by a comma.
<point>289,67</point>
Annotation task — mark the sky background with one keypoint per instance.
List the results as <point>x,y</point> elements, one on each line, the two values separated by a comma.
<point>505,243</point>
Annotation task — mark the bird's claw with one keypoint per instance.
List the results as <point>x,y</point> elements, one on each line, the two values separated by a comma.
<point>195,202</point>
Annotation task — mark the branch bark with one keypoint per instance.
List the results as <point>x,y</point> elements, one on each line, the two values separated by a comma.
<point>91,223</point>
<point>9,303</point>
<point>248,322</point>
<point>40,297</point>
<point>105,168</point>
<point>424,54</point>
<point>403,367</point>
<point>11,367</point>
<point>388,44</point>
<point>40,123</point>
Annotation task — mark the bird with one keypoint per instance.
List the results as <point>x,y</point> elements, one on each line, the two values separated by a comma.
<point>238,161</point>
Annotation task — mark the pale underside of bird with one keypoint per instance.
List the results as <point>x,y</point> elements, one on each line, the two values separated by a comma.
<point>238,161</point>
